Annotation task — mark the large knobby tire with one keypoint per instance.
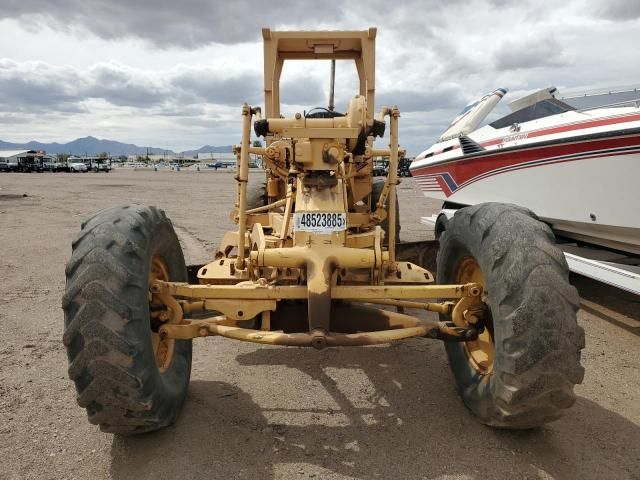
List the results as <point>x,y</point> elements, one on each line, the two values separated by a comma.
<point>376,191</point>
<point>441,225</point>
<point>521,373</point>
<point>256,195</point>
<point>115,357</point>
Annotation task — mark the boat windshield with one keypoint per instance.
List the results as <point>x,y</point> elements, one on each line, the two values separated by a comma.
<point>541,109</point>
<point>614,97</point>
<point>469,107</point>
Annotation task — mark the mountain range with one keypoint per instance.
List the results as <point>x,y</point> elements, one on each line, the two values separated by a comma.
<point>94,146</point>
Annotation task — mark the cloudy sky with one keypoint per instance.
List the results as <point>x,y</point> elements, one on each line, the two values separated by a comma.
<point>173,74</point>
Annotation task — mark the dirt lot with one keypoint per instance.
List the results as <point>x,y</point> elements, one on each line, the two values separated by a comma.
<point>258,412</point>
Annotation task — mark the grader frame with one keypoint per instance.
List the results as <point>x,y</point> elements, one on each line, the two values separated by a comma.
<point>299,267</point>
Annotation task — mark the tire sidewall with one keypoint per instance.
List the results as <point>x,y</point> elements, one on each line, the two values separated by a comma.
<point>474,387</point>
<point>536,338</point>
<point>171,384</point>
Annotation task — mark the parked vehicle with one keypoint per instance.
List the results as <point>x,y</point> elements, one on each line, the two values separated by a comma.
<point>216,165</point>
<point>52,164</point>
<point>380,168</point>
<point>76,167</point>
<point>403,167</point>
<point>29,163</point>
<point>17,160</point>
<point>98,164</point>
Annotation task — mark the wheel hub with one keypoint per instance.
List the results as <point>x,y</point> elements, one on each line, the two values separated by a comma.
<point>480,352</point>
<point>163,347</point>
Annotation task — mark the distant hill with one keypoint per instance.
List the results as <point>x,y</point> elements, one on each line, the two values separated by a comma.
<point>94,146</point>
<point>209,149</point>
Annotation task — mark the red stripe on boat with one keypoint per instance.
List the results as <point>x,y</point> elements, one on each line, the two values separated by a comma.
<point>463,170</point>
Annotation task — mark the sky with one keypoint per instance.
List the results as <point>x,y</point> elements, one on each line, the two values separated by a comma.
<point>174,74</point>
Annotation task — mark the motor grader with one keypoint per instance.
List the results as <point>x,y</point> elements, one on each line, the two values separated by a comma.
<point>316,261</point>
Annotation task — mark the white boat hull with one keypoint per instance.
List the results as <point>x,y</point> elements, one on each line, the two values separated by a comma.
<point>587,190</point>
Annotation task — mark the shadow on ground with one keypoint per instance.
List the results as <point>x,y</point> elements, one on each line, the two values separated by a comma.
<point>413,426</point>
<point>611,304</point>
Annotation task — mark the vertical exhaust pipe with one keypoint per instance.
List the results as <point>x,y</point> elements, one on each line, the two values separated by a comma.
<point>332,86</point>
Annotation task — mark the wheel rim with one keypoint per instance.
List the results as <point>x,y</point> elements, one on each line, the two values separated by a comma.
<point>480,352</point>
<point>163,348</point>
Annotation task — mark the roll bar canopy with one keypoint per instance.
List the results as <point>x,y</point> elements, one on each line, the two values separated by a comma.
<point>339,45</point>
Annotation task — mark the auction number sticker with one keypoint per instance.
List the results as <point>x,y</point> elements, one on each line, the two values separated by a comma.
<point>320,222</point>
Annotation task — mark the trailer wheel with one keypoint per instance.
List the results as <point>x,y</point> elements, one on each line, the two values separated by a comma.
<point>376,191</point>
<point>521,371</point>
<point>128,378</point>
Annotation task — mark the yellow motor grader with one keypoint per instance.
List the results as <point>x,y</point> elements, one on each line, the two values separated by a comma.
<point>316,261</point>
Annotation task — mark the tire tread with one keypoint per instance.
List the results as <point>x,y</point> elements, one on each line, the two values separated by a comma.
<point>537,363</point>
<point>104,321</point>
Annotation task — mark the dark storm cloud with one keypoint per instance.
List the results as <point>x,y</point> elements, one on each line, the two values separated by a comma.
<point>211,85</point>
<point>528,53</point>
<point>302,91</point>
<point>186,93</point>
<point>432,56</point>
<point>22,94</point>
<point>11,119</point>
<point>24,86</point>
<point>30,85</point>
<point>183,111</point>
<point>423,98</point>
<point>163,22</point>
<point>194,23</point>
<point>122,86</point>
<point>620,9</point>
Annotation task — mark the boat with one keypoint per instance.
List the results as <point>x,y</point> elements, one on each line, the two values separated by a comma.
<point>573,160</point>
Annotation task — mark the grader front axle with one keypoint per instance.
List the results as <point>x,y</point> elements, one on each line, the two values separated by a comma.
<point>353,325</point>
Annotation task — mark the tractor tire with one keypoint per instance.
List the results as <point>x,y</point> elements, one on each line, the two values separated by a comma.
<point>129,380</point>
<point>256,195</point>
<point>521,371</point>
<point>376,191</point>
<point>441,225</point>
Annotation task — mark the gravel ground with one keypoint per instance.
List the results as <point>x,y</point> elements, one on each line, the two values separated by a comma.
<point>266,412</point>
